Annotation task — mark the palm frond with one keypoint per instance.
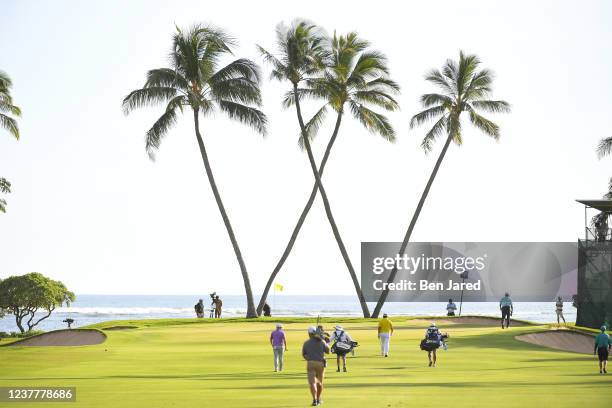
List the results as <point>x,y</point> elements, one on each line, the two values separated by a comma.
<point>240,68</point>
<point>428,100</point>
<point>382,84</point>
<point>241,90</point>
<point>437,130</point>
<point>303,93</point>
<point>2,205</point>
<point>484,124</point>
<point>313,125</point>
<point>158,131</point>
<point>604,148</point>
<point>166,78</point>
<point>10,125</point>
<point>427,115</point>
<point>435,76</point>
<point>376,98</point>
<point>492,106</point>
<point>279,70</point>
<point>465,71</point>
<point>8,107</point>
<point>5,185</point>
<point>147,97</point>
<point>245,114</point>
<point>373,121</point>
<point>480,85</point>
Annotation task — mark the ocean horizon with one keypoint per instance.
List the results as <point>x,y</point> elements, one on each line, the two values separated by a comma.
<point>90,309</point>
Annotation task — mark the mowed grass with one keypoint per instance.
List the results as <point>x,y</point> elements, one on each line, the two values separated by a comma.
<point>189,363</point>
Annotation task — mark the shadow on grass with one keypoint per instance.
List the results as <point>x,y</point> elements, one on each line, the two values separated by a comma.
<point>416,385</point>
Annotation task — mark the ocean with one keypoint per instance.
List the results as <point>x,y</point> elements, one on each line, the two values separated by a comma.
<point>89,309</point>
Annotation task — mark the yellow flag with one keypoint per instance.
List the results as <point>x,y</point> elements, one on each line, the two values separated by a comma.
<point>279,287</point>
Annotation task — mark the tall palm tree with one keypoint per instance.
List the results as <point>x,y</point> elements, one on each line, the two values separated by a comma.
<point>355,76</point>
<point>6,106</point>
<point>464,88</point>
<point>195,80</point>
<point>8,123</point>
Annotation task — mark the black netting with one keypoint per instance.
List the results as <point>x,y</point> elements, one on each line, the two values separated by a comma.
<point>594,298</point>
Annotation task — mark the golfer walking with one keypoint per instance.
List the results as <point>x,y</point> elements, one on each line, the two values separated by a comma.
<point>602,349</point>
<point>385,330</point>
<point>505,305</point>
<point>278,341</point>
<point>313,351</point>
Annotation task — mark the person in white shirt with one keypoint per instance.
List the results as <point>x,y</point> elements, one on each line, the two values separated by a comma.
<point>450,308</point>
<point>339,338</point>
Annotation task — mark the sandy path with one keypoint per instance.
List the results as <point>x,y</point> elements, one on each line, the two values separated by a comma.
<point>475,320</point>
<point>83,337</point>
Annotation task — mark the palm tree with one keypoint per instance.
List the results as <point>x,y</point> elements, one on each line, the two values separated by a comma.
<point>354,76</point>
<point>6,106</point>
<point>8,123</point>
<point>195,80</point>
<point>464,89</point>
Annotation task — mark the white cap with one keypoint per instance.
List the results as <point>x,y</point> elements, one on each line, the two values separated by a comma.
<point>312,330</point>
<point>279,325</point>
<point>338,327</point>
<point>432,324</point>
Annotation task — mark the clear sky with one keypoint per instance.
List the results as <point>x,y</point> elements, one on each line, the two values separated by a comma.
<point>89,207</point>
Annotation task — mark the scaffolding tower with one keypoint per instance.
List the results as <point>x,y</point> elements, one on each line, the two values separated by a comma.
<point>594,298</point>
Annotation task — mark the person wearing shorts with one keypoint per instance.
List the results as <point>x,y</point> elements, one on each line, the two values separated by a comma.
<point>340,336</point>
<point>313,351</point>
<point>505,305</point>
<point>602,349</point>
<point>559,310</point>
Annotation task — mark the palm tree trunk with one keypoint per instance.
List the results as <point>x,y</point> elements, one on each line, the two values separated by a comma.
<point>415,216</point>
<point>330,217</point>
<point>301,220</point>
<point>245,276</point>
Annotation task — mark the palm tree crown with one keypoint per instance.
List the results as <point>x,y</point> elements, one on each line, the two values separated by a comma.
<point>302,49</point>
<point>6,106</point>
<point>194,79</point>
<point>464,89</point>
<point>353,75</point>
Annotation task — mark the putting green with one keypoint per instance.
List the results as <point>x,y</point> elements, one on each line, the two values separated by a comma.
<point>201,363</point>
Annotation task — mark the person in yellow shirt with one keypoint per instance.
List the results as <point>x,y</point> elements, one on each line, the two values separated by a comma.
<point>385,330</point>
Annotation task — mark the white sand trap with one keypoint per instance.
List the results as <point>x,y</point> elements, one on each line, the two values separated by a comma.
<point>474,320</point>
<point>564,340</point>
<point>78,337</point>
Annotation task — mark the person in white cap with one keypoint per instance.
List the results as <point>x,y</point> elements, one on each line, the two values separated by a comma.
<point>278,341</point>
<point>313,351</point>
<point>342,344</point>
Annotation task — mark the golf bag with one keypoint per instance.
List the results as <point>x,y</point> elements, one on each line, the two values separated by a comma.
<point>341,347</point>
<point>433,340</point>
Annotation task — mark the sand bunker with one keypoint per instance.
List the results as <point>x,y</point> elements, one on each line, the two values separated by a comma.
<point>565,340</point>
<point>78,337</point>
<point>474,320</point>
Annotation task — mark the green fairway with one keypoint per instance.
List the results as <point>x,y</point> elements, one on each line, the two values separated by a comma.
<point>189,363</point>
